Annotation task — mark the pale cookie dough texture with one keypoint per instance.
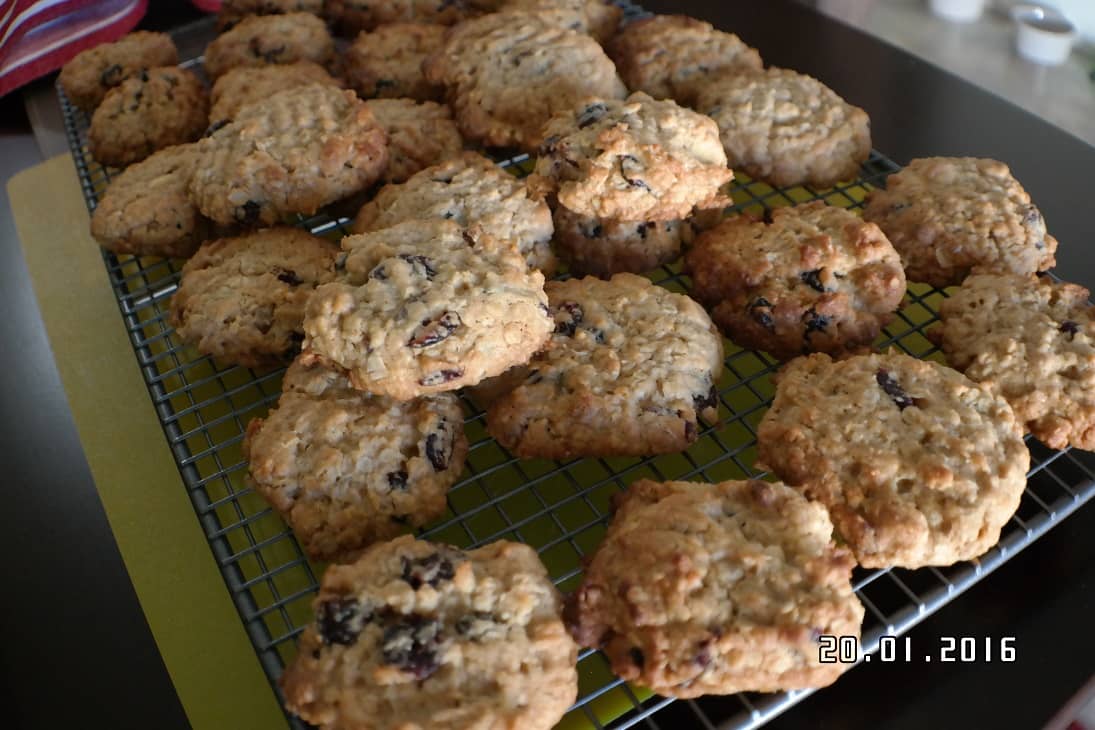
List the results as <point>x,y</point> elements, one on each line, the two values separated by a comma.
<point>673,56</point>
<point>717,588</point>
<point>472,191</point>
<point>634,160</point>
<point>417,635</point>
<point>630,371</point>
<point>949,217</point>
<point>917,464</point>
<point>427,306</point>
<point>787,128</point>
<point>242,299</point>
<point>299,150</point>
<point>1033,341</point>
<point>347,469</point>
<point>506,74</point>
<point>88,77</point>
<point>815,279</point>
<point>146,212</point>
<point>259,40</point>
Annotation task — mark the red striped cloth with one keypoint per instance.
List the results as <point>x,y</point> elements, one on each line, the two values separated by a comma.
<point>40,36</point>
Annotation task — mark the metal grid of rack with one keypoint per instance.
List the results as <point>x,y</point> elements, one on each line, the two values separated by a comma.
<point>560,508</point>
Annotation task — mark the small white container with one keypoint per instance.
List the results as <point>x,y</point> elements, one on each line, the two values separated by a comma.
<point>1043,36</point>
<point>958,11</point>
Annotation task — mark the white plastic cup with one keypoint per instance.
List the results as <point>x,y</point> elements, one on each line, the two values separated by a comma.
<point>958,11</point>
<point>1043,37</point>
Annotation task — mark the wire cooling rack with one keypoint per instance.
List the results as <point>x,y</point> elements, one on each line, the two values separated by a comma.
<point>560,508</point>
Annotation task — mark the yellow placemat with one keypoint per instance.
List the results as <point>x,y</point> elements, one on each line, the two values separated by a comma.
<point>196,627</point>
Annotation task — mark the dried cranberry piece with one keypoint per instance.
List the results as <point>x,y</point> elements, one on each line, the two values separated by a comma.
<point>568,315</point>
<point>441,376</point>
<point>430,332</point>
<point>289,277</point>
<point>412,645</point>
<point>814,322</point>
<point>340,621</point>
<point>760,311</point>
<point>591,114</point>
<point>111,75</point>
<point>431,570</point>
<point>247,213</point>
<point>632,178</point>
<point>1070,328</point>
<point>439,447</point>
<point>702,402</point>
<point>812,279</point>
<point>637,657</point>
<point>397,479</point>
<point>902,399</point>
<point>547,147</point>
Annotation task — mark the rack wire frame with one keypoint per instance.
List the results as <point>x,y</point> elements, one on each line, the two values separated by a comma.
<point>204,407</point>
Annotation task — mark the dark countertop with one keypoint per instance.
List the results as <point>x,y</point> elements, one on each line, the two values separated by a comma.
<point>78,652</point>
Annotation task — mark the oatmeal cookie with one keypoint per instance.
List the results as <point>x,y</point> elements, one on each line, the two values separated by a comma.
<point>259,40</point>
<point>233,11</point>
<point>717,588</point>
<point>151,110</point>
<point>92,73</point>
<point>603,246</point>
<point>635,160</point>
<point>815,279</point>
<point>351,17</point>
<point>417,634</point>
<point>146,211</point>
<point>420,134</point>
<point>597,18</point>
<point>949,217</point>
<point>472,191</point>
<point>242,299</point>
<point>918,464</point>
<point>347,469</point>
<point>629,371</point>
<point>299,150</point>
<point>427,306</point>
<point>1033,341</point>
<point>673,56</point>
<point>506,74</point>
<point>786,128</point>
<point>245,85</point>
<point>387,62</point>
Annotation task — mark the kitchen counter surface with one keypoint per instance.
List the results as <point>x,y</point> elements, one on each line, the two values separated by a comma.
<point>79,653</point>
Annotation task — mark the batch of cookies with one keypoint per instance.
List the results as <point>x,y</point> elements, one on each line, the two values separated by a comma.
<point>635,128</point>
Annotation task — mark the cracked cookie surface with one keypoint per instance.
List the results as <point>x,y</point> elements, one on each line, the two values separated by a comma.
<point>716,588</point>
<point>949,217</point>
<point>815,279</point>
<point>1033,340</point>
<point>917,464</point>
<point>417,634</point>
<point>629,371</point>
<point>242,299</point>
<point>427,306</point>
<point>346,468</point>
<point>636,160</point>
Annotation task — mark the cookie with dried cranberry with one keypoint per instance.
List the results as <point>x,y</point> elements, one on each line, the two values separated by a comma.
<point>630,371</point>
<point>146,211</point>
<point>717,588</point>
<point>1033,340</point>
<point>637,160</point>
<point>233,11</point>
<point>242,299</point>
<point>387,62</point>
<point>816,279</point>
<point>154,109</point>
<point>786,128</point>
<point>506,74</point>
<point>603,247</point>
<point>917,464</point>
<point>427,306</point>
<point>672,56</point>
<point>295,152</point>
<point>472,191</point>
<point>949,217</point>
<point>420,134</point>
<point>345,468</point>
<point>351,17</point>
<point>245,85</point>
<point>88,77</point>
<point>417,634</point>
<point>260,40</point>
